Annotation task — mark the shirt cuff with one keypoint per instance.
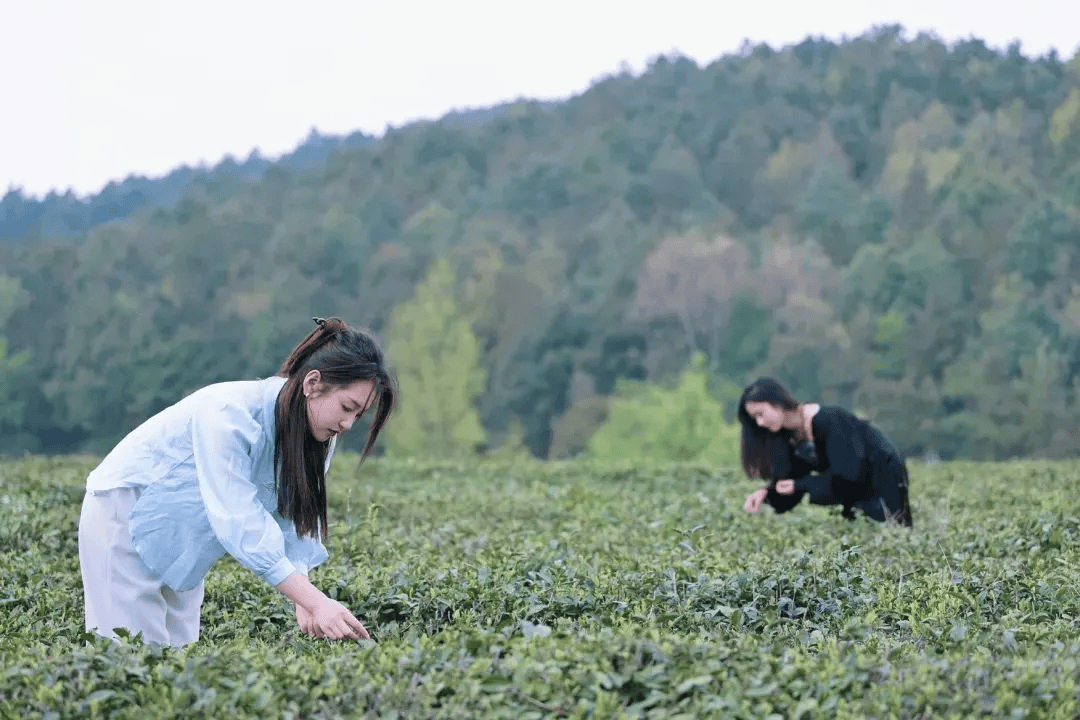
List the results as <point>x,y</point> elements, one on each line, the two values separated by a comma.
<point>282,569</point>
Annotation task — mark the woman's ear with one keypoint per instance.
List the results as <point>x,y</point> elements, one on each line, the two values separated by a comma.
<point>312,383</point>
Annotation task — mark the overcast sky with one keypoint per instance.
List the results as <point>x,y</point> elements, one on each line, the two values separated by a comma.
<point>94,90</point>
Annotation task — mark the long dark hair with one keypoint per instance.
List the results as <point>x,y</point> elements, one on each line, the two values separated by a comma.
<point>342,355</point>
<point>759,446</point>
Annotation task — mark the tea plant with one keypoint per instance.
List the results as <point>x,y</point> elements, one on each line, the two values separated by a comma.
<point>527,590</point>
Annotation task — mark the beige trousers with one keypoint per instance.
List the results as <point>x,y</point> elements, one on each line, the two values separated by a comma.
<point>118,589</point>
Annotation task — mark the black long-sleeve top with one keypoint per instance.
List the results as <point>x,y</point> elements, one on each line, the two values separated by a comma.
<point>851,455</point>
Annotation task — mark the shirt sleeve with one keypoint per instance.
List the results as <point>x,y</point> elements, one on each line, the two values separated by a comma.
<point>819,488</point>
<point>783,503</point>
<point>845,451</point>
<point>781,467</point>
<point>304,553</point>
<point>223,437</point>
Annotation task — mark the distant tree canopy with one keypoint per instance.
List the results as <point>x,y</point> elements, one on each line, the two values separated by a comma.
<point>433,348</point>
<point>888,224</point>
<point>26,219</point>
<point>669,424</point>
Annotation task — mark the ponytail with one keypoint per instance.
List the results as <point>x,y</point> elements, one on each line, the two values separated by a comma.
<point>324,331</point>
<point>342,356</point>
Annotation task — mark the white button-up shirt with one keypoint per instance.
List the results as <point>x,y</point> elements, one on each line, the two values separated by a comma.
<point>205,471</point>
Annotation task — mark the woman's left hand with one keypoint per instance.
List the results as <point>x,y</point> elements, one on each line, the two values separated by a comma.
<point>785,487</point>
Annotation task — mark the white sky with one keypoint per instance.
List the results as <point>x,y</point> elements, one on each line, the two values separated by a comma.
<point>95,90</point>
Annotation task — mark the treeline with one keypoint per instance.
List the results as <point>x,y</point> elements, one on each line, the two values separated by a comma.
<point>892,225</point>
<point>26,219</point>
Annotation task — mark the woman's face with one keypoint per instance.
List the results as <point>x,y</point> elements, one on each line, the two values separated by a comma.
<point>766,415</point>
<point>332,411</point>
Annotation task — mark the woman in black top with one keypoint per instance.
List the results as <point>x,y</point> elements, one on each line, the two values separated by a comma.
<point>824,452</point>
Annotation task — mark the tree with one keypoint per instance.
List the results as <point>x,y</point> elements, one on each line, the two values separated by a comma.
<point>1064,133</point>
<point>809,348</point>
<point>14,368</point>
<point>696,282</point>
<point>434,351</point>
<point>669,424</point>
<point>15,373</point>
<point>1011,393</point>
<point>917,173</point>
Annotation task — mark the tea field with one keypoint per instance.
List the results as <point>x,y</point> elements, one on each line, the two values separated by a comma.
<point>574,590</point>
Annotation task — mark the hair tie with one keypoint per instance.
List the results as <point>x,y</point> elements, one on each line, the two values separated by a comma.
<point>319,321</point>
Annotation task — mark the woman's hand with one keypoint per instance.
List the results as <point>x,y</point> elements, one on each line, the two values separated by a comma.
<point>785,487</point>
<point>303,619</point>
<point>753,502</point>
<point>331,620</point>
<point>317,614</point>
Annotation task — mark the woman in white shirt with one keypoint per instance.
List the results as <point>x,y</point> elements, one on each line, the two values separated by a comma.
<point>238,468</point>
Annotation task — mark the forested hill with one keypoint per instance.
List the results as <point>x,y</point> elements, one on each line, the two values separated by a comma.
<point>27,219</point>
<point>892,225</point>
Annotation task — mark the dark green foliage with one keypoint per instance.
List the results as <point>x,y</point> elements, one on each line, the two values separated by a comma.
<point>905,183</point>
<point>581,590</point>
<point>26,219</point>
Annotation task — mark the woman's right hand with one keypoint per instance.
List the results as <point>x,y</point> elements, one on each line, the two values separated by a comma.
<point>332,620</point>
<point>319,615</point>
<point>785,487</point>
<point>753,502</point>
